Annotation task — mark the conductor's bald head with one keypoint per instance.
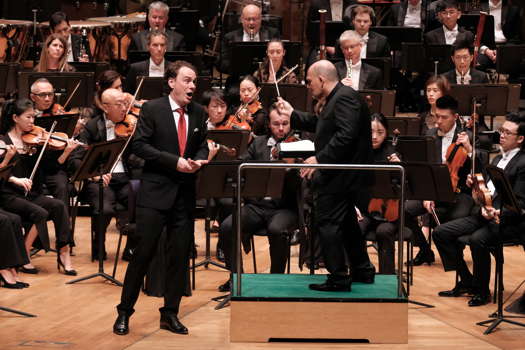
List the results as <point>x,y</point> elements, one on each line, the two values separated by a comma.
<point>321,78</point>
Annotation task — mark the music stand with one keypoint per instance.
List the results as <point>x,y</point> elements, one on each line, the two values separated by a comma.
<point>510,59</point>
<point>296,94</point>
<point>8,72</point>
<point>192,57</point>
<point>384,64</point>
<point>98,161</point>
<point>417,149</point>
<point>96,67</point>
<point>155,87</point>
<point>64,83</point>
<point>407,126</point>
<point>5,173</point>
<point>333,31</point>
<point>65,123</point>
<point>382,101</point>
<point>508,201</point>
<point>416,57</point>
<point>185,22</point>
<point>237,139</point>
<point>397,35</point>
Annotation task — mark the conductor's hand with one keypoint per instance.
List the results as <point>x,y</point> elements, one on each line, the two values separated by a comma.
<point>308,172</point>
<point>284,107</point>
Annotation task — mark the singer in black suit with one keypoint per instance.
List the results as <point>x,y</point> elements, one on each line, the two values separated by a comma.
<point>342,135</point>
<point>171,138</point>
<point>481,229</point>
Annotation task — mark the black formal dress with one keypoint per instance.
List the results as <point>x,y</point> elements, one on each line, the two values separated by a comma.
<point>342,136</point>
<point>12,250</point>
<point>166,199</point>
<point>481,233</point>
<point>275,216</point>
<point>139,41</point>
<point>370,77</point>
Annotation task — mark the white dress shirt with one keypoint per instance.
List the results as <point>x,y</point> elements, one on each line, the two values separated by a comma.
<point>156,70</point>
<point>337,10</point>
<point>246,36</point>
<point>413,16</point>
<point>174,106</point>
<point>502,164</point>
<point>466,78</point>
<point>110,135</point>
<point>495,11</point>
<point>356,73</point>
<point>364,40</point>
<point>446,142</point>
<point>450,35</point>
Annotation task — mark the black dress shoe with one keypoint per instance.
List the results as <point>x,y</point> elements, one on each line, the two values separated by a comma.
<point>128,254</point>
<point>121,325</point>
<point>172,324</point>
<point>32,271</point>
<point>458,290</point>
<point>220,255</point>
<point>423,257</point>
<point>330,286</point>
<point>226,286</point>
<point>364,277</point>
<point>479,299</point>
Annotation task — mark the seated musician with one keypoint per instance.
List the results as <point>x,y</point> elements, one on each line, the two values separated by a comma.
<point>251,30</point>
<point>435,87</point>
<point>54,55</point>
<point>448,13</point>
<point>13,254</point>
<point>463,74</point>
<point>157,19</point>
<point>274,65</point>
<point>76,50</point>
<point>276,216</point>
<point>352,71</point>
<point>23,195</point>
<point>116,185</point>
<point>43,96</point>
<point>447,134</point>
<point>408,13</point>
<point>155,66</point>
<point>481,228</point>
<point>386,231</point>
<point>250,108</point>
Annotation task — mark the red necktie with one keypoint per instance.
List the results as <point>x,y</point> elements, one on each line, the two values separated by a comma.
<point>181,131</point>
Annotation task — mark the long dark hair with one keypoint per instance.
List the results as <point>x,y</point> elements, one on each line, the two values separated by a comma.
<point>12,108</point>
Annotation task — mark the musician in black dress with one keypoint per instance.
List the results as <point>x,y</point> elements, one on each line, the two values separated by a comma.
<point>23,195</point>
<point>277,68</point>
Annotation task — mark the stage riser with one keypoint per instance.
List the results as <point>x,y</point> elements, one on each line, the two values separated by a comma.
<point>377,322</point>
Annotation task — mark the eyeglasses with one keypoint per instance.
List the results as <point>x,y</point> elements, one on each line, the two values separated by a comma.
<point>119,104</point>
<point>45,94</point>
<point>506,132</point>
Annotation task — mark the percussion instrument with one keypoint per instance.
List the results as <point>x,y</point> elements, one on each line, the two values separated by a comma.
<point>122,28</point>
<point>14,36</point>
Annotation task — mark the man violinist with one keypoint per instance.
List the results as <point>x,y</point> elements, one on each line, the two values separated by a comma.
<point>275,216</point>
<point>43,96</point>
<point>448,133</point>
<point>481,227</point>
<point>116,185</point>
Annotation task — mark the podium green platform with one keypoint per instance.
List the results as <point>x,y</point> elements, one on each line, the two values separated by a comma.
<point>281,307</point>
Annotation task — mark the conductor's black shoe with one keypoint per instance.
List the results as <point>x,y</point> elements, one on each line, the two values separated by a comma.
<point>363,276</point>
<point>423,257</point>
<point>458,290</point>
<point>226,286</point>
<point>330,286</point>
<point>121,325</point>
<point>479,299</point>
<point>172,323</point>
<point>220,255</point>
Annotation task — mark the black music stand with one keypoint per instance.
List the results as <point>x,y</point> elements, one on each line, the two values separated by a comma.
<point>192,57</point>
<point>185,22</point>
<point>5,172</point>
<point>417,149</point>
<point>416,57</point>
<point>65,123</point>
<point>255,183</point>
<point>333,31</point>
<point>8,73</point>
<point>237,139</point>
<point>382,101</point>
<point>510,59</point>
<point>384,64</point>
<point>98,161</point>
<point>407,126</point>
<point>509,202</point>
<point>397,35</point>
<point>296,94</point>
<point>96,67</point>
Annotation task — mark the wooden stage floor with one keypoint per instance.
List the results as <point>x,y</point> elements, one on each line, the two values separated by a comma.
<point>80,316</point>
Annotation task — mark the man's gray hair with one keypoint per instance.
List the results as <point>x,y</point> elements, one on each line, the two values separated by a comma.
<point>159,5</point>
<point>38,81</point>
<point>350,35</point>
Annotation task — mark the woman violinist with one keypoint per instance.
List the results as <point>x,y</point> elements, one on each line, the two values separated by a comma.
<point>23,195</point>
<point>54,55</point>
<point>250,109</point>
<point>386,227</point>
<point>275,53</point>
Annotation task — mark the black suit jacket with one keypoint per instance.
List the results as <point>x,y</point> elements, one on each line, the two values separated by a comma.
<point>398,12</point>
<point>342,136</point>
<point>156,142</point>
<point>477,77</point>
<point>370,77</point>
<point>510,20</point>
<point>377,46</point>
<point>138,69</point>
<point>139,41</point>
<point>437,36</point>
<point>265,34</point>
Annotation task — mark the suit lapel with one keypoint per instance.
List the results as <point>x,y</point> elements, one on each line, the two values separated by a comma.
<point>167,113</point>
<point>402,14</point>
<point>441,35</point>
<point>371,45</point>
<point>101,127</point>
<point>192,125</point>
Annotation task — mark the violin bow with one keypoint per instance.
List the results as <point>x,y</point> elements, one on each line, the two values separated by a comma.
<point>275,78</point>
<point>135,96</point>
<point>41,153</point>
<point>71,95</point>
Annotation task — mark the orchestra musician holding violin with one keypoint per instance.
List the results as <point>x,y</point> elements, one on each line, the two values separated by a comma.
<point>22,194</point>
<point>250,114</point>
<point>43,96</point>
<point>488,224</point>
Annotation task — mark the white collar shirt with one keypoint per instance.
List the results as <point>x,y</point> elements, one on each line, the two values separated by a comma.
<point>413,16</point>
<point>446,142</point>
<point>70,57</point>
<point>156,70</point>
<point>450,35</point>
<point>364,40</point>
<point>110,135</point>
<point>246,36</point>
<point>463,80</point>
<point>337,10</point>
<point>502,164</point>
<point>495,11</point>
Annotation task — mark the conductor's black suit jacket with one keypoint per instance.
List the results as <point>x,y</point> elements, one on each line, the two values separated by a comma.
<point>342,136</point>
<point>156,141</point>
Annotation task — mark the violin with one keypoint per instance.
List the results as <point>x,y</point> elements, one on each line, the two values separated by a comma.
<point>455,158</point>
<point>38,136</point>
<point>126,127</point>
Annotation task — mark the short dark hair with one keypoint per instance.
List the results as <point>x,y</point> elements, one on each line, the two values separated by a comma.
<point>12,108</point>
<point>518,118</point>
<point>105,80</point>
<point>57,18</point>
<point>154,33</point>
<point>174,67</point>
<point>217,94</point>
<point>447,102</point>
<point>446,4</point>
<point>460,45</point>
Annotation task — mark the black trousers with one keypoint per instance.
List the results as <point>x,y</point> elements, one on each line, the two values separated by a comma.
<point>460,208</point>
<point>339,233</point>
<point>12,249</point>
<point>179,223</point>
<point>58,186</point>
<point>253,219</point>
<point>386,236</point>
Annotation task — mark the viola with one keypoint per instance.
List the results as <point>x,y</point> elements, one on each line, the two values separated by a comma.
<point>455,158</point>
<point>126,127</point>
